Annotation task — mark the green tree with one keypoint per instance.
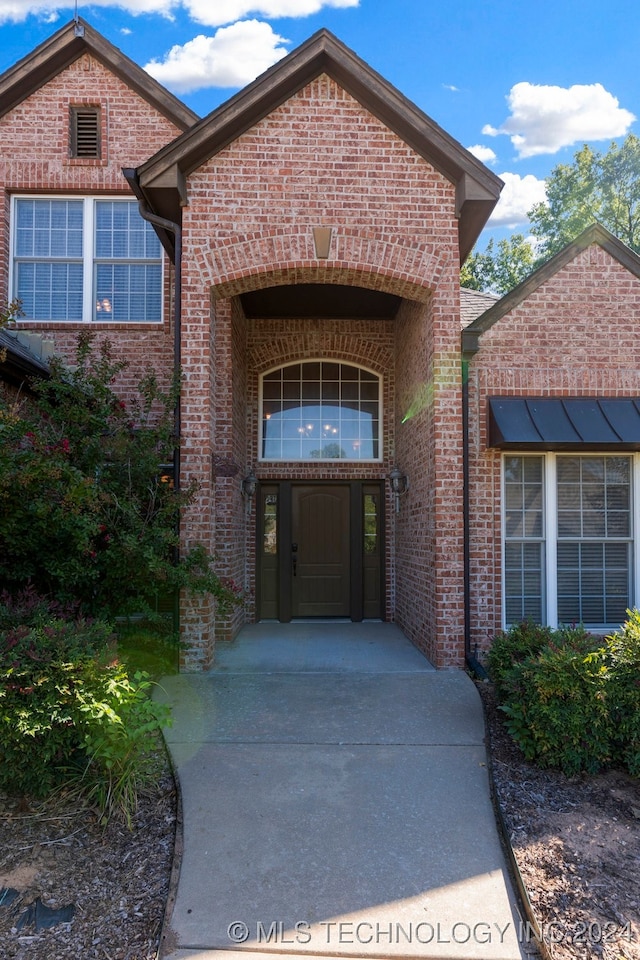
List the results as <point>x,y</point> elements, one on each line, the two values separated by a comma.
<point>500,267</point>
<point>596,187</point>
<point>88,510</point>
<point>602,187</point>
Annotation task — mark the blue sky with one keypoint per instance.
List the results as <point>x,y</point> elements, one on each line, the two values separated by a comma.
<point>523,85</point>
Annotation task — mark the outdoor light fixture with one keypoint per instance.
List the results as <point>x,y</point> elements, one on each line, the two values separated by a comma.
<point>399,485</point>
<point>249,485</point>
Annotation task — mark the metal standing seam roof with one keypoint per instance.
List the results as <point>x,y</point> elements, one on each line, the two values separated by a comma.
<point>564,423</point>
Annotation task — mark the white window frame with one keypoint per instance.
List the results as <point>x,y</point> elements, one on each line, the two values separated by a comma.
<point>550,540</point>
<point>89,259</point>
<point>322,460</point>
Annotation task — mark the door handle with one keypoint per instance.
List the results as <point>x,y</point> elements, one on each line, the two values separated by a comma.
<point>294,557</point>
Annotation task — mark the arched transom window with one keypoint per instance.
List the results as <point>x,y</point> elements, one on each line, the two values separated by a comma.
<point>320,410</point>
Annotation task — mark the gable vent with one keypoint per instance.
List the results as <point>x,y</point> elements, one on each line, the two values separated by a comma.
<point>85,132</point>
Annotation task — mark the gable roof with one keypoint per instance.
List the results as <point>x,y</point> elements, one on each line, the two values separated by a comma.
<point>595,234</point>
<point>162,178</point>
<point>67,45</point>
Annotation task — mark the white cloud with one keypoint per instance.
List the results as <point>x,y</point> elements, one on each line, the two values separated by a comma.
<point>544,119</point>
<point>214,13</point>
<point>518,196</point>
<point>482,153</point>
<point>233,57</point>
<point>18,10</point>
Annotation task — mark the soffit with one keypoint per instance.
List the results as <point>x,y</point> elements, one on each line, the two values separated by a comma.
<point>477,188</point>
<point>324,301</point>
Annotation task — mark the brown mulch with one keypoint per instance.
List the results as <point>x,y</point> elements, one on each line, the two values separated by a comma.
<point>576,841</point>
<point>55,854</point>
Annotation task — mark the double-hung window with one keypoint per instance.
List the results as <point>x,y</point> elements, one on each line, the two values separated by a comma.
<point>85,259</point>
<point>568,523</point>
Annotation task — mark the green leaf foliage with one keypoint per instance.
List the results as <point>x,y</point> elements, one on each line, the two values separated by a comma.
<point>88,511</point>
<point>69,712</point>
<point>500,267</point>
<point>596,187</point>
<point>571,700</point>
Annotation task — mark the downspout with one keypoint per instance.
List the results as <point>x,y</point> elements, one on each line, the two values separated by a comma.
<point>470,658</point>
<point>163,223</point>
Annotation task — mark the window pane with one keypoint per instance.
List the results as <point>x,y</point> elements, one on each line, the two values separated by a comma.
<point>50,291</point>
<point>316,411</point>
<point>593,582</point>
<point>121,233</point>
<point>523,581</point>
<point>128,292</point>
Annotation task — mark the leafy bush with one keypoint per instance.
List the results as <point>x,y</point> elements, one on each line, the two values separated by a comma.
<point>68,710</point>
<point>556,709</point>
<point>623,690</point>
<point>88,508</point>
<point>119,721</point>
<point>510,647</point>
<point>572,700</point>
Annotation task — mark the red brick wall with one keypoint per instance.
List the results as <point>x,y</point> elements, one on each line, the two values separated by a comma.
<point>34,158</point>
<point>321,160</point>
<point>576,335</point>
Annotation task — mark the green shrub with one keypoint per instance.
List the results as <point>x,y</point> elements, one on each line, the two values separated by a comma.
<point>556,708</point>
<point>88,508</point>
<point>510,647</point>
<point>571,700</point>
<point>119,721</point>
<point>623,690</point>
<point>69,712</point>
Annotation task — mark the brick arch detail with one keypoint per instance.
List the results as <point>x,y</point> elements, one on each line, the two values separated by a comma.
<point>341,347</point>
<point>396,265</point>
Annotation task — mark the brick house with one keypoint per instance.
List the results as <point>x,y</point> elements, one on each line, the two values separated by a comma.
<point>297,254</point>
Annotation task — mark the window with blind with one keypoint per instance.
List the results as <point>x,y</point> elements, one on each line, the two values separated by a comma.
<point>80,259</point>
<point>568,538</point>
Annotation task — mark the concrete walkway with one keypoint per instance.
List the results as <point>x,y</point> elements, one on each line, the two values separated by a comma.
<point>335,803</point>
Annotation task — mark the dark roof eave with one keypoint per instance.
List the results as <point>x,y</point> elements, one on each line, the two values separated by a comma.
<point>18,369</point>
<point>324,53</point>
<point>66,46</point>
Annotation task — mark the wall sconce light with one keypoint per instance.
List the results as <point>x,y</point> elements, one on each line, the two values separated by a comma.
<point>249,485</point>
<point>399,485</point>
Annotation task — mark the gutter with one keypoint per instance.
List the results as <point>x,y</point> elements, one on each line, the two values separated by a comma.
<point>131,176</point>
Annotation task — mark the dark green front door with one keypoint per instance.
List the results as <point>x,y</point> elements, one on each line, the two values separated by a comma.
<point>320,550</point>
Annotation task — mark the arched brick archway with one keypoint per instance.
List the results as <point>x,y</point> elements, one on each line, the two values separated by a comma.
<point>405,268</point>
